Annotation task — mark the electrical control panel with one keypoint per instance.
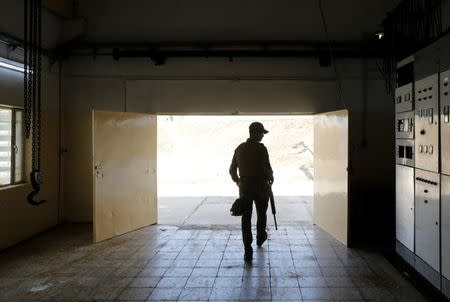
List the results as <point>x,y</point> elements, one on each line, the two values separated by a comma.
<point>404,207</point>
<point>427,124</point>
<point>422,133</point>
<point>404,152</point>
<point>427,218</point>
<point>445,226</point>
<point>404,125</point>
<point>404,98</point>
<point>445,121</point>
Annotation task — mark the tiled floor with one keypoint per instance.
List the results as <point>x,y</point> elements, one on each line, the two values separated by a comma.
<point>156,263</point>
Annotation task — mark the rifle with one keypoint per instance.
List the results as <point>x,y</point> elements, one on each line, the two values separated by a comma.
<point>272,205</point>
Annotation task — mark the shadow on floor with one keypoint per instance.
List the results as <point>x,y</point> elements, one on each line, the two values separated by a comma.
<point>163,262</point>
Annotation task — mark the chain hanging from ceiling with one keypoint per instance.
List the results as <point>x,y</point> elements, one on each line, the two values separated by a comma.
<point>412,25</point>
<point>32,90</point>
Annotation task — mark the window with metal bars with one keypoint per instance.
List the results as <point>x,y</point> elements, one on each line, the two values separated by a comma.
<point>11,146</point>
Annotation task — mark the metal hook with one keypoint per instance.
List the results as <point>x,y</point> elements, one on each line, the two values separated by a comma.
<point>36,180</point>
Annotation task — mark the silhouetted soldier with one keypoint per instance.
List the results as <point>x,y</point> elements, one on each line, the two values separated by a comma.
<point>255,176</point>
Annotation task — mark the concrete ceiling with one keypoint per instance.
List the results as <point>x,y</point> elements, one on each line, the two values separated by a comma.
<point>140,21</point>
<point>11,23</point>
<point>63,8</point>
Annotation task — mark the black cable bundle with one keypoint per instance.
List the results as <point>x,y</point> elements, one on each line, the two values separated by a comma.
<point>32,89</point>
<point>411,26</point>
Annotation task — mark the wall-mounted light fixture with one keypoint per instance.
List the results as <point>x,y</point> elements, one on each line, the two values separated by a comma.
<point>12,65</point>
<point>380,35</point>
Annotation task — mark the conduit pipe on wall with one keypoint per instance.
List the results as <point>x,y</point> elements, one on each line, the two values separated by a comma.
<point>159,57</point>
<point>160,52</point>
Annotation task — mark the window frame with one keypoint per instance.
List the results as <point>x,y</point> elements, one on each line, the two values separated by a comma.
<point>12,179</point>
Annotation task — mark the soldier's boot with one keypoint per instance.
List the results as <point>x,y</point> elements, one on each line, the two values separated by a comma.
<point>261,238</point>
<point>248,255</point>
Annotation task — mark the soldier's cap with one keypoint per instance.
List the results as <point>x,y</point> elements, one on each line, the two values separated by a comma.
<point>257,127</point>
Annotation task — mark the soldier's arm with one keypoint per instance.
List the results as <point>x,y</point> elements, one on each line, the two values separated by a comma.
<point>268,166</point>
<point>233,169</point>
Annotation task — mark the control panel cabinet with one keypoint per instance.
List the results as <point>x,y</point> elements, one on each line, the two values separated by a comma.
<point>445,122</point>
<point>404,98</point>
<point>427,191</point>
<point>404,206</point>
<point>445,227</point>
<point>427,124</point>
<point>422,142</point>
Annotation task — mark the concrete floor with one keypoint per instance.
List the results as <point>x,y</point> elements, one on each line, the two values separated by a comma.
<point>216,210</point>
<point>161,263</point>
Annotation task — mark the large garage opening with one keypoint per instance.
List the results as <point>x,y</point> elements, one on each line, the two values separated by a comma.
<point>194,154</point>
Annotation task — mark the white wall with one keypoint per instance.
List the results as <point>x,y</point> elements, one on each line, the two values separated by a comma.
<point>80,97</point>
<point>230,96</point>
<point>187,86</point>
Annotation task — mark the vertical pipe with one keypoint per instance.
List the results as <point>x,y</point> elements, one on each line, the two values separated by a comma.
<point>13,147</point>
<point>125,95</point>
<point>60,150</point>
<point>365,96</point>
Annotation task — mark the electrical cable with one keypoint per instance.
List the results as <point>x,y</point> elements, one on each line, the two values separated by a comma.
<point>411,26</point>
<point>340,94</point>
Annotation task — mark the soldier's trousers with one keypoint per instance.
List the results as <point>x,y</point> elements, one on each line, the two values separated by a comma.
<point>253,189</point>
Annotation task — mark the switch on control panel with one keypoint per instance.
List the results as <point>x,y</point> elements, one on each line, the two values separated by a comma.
<point>446,114</point>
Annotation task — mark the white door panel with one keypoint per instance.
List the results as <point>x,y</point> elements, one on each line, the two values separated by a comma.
<point>330,173</point>
<point>124,163</point>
